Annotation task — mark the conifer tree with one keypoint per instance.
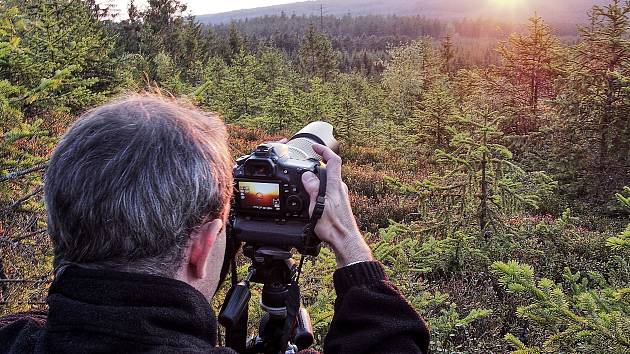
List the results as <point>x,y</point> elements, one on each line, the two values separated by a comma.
<point>431,121</point>
<point>410,72</point>
<point>447,52</point>
<point>242,88</point>
<point>530,63</point>
<point>236,43</point>
<point>63,35</point>
<point>163,22</point>
<point>593,128</point>
<point>350,111</point>
<point>316,55</point>
<point>477,178</point>
<point>280,111</point>
<point>587,313</point>
<point>318,101</point>
<point>131,30</point>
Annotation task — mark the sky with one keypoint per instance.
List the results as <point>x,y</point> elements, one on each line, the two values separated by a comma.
<point>202,7</point>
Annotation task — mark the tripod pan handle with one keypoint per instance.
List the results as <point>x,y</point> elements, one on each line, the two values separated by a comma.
<point>232,309</point>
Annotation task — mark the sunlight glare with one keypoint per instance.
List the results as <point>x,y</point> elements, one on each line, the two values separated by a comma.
<point>507,3</point>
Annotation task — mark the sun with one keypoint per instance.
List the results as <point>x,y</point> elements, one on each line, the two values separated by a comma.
<point>506,3</point>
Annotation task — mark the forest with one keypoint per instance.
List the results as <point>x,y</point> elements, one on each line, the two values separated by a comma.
<point>489,172</point>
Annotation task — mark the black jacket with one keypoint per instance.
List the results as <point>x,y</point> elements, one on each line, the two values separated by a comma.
<point>96,311</point>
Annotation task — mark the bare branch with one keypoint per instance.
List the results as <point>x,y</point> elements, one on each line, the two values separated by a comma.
<point>24,199</point>
<point>27,235</point>
<point>17,174</point>
<point>37,281</point>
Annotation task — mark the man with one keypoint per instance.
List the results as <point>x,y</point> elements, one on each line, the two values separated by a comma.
<point>137,194</point>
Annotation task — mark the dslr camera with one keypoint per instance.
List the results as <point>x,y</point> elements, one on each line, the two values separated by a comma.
<point>270,215</point>
<point>270,206</point>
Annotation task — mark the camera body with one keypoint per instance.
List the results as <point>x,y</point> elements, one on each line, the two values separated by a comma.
<point>270,205</point>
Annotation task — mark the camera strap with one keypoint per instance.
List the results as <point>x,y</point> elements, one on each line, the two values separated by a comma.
<point>320,202</point>
<point>318,211</point>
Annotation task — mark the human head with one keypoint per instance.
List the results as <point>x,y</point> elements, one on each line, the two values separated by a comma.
<point>142,185</point>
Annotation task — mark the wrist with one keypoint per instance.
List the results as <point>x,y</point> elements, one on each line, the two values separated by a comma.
<point>351,248</point>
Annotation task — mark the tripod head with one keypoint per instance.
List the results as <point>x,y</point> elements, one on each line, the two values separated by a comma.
<point>285,320</point>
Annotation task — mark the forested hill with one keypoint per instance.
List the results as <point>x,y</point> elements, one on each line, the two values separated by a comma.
<point>562,11</point>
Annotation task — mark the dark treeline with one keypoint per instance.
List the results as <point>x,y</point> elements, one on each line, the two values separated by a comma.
<point>486,168</point>
<point>356,36</point>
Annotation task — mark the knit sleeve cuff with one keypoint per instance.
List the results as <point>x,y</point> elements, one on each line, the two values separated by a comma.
<point>358,274</point>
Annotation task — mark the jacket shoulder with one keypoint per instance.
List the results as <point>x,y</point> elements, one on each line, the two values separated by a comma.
<point>18,331</point>
<point>37,317</point>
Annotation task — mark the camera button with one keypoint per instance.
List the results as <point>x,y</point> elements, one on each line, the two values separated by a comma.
<point>294,203</point>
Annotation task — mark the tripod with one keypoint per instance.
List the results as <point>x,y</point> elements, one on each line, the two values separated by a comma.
<point>286,325</point>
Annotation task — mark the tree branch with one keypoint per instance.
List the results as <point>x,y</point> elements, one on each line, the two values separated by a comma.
<point>24,199</point>
<point>17,174</point>
<point>24,281</point>
<point>27,235</point>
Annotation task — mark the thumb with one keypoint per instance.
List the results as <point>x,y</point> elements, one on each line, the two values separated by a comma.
<point>311,185</point>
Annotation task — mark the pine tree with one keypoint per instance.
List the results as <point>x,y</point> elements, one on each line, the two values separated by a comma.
<point>191,55</point>
<point>163,22</point>
<point>242,88</point>
<point>593,125</point>
<point>447,52</point>
<point>236,43</point>
<point>622,240</point>
<point>63,35</point>
<point>477,178</point>
<point>590,314</point>
<point>131,30</point>
<point>350,110</point>
<point>316,55</point>
<point>530,63</point>
<point>431,121</point>
<point>318,101</point>
<point>410,72</point>
<point>279,111</point>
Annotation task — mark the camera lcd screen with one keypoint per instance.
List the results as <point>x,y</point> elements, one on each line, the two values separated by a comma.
<point>259,195</point>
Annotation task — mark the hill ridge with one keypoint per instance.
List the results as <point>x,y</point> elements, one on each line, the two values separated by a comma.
<point>556,10</point>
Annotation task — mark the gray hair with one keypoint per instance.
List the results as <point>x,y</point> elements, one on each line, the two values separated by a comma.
<point>131,180</point>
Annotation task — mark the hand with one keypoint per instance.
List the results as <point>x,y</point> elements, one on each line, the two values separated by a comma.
<point>337,225</point>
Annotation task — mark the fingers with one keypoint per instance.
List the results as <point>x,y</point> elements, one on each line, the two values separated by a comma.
<point>283,141</point>
<point>332,160</point>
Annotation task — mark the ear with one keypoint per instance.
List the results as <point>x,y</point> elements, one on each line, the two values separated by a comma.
<point>201,245</point>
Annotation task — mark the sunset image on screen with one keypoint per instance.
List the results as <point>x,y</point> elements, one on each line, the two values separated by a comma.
<point>257,195</point>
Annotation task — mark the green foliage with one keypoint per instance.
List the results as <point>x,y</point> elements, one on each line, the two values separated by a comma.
<point>622,240</point>
<point>407,259</point>
<point>411,70</point>
<point>529,65</point>
<point>316,55</point>
<point>591,129</point>
<point>584,318</point>
<point>441,254</point>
